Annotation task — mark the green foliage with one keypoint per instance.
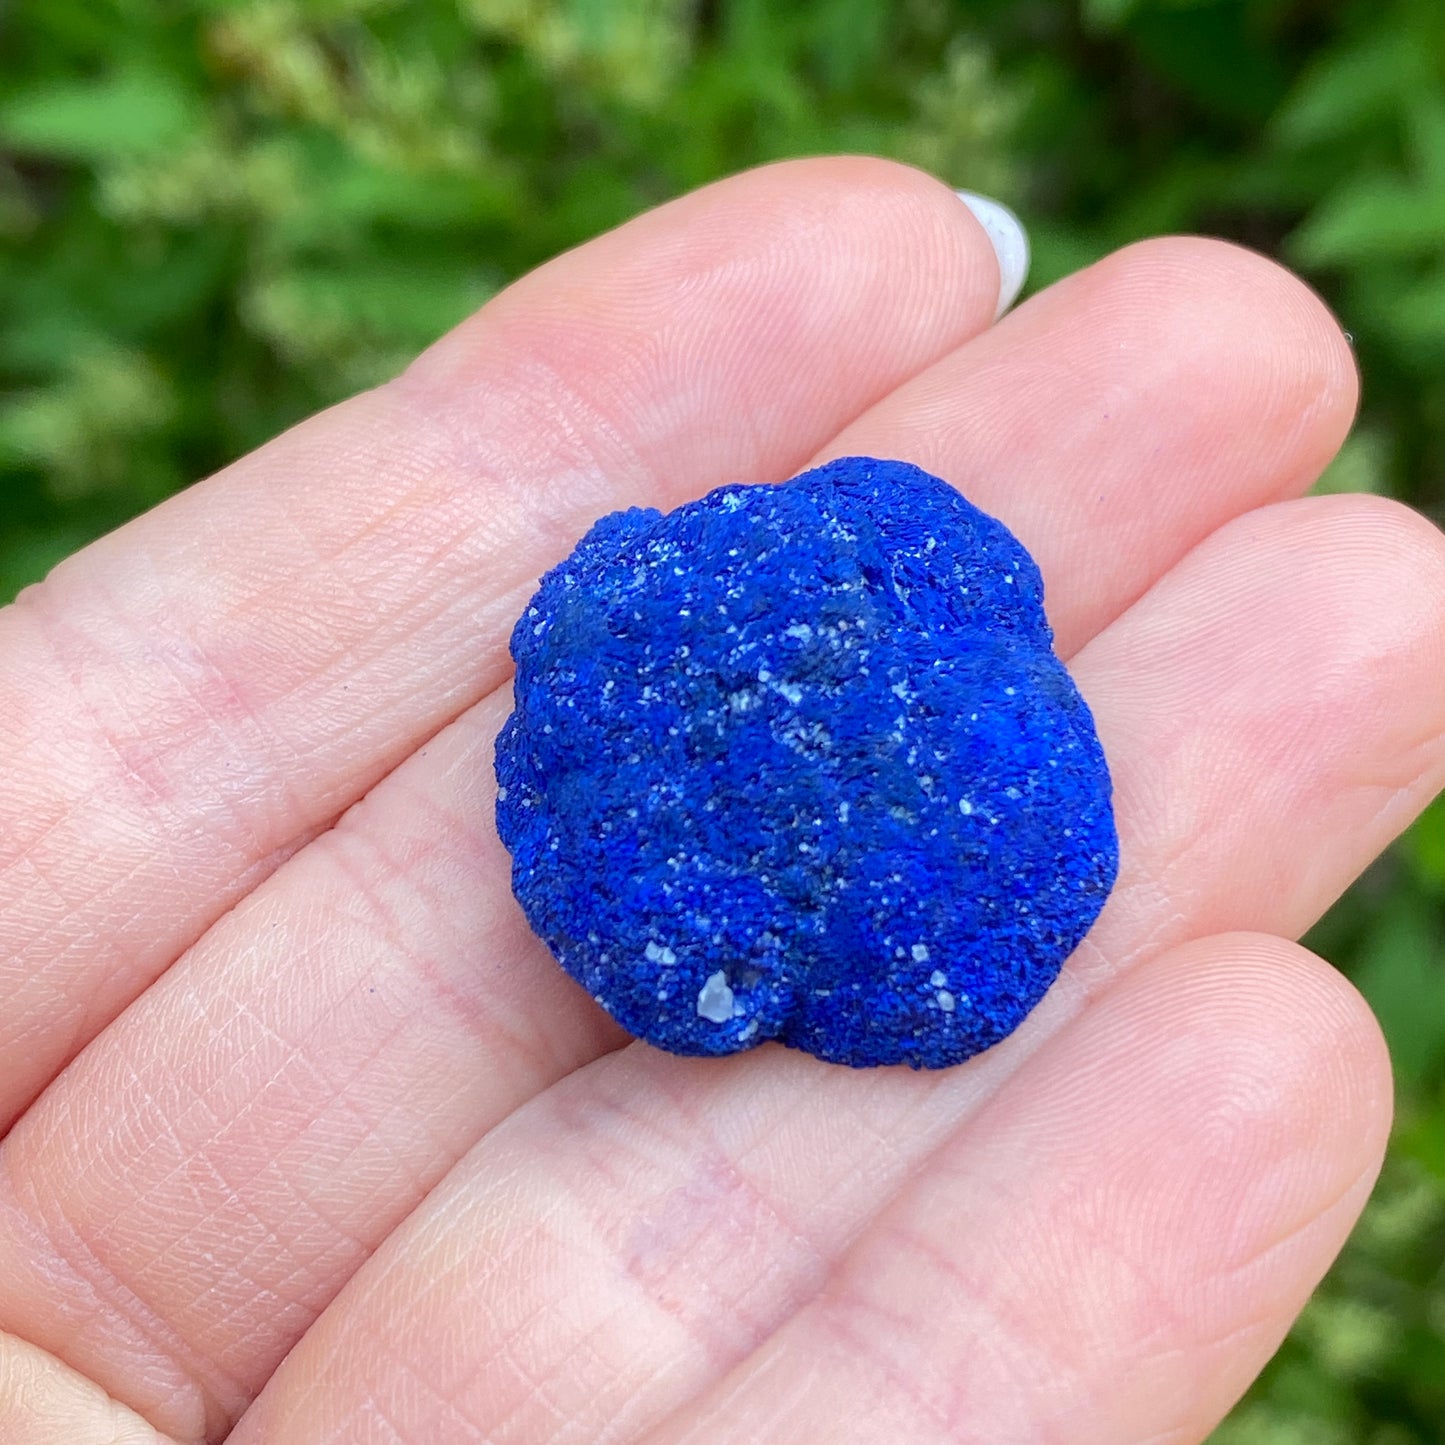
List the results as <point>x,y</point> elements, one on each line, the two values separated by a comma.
<point>1365,1365</point>
<point>218,215</point>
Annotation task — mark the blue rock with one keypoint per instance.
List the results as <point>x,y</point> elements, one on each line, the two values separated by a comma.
<point>798,762</point>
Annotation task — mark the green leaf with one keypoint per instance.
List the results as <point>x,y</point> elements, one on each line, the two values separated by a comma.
<point>1212,52</point>
<point>81,425</point>
<point>1416,316</point>
<point>321,315</point>
<point>1349,89</point>
<point>1107,14</point>
<point>27,556</point>
<point>1373,218</point>
<point>1363,464</point>
<point>1401,973</point>
<point>129,113</point>
<point>1424,846</point>
<point>346,196</point>
<point>1425,122</point>
<point>1059,251</point>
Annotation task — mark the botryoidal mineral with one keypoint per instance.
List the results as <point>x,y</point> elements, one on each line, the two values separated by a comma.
<point>798,762</point>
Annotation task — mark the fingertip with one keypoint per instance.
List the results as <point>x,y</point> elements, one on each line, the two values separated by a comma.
<point>1286,1011</point>
<point>1257,1030</point>
<point>1288,346</point>
<point>896,273</point>
<point>1369,570</point>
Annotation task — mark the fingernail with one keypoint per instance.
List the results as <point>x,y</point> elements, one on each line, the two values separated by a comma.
<point>1010,244</point>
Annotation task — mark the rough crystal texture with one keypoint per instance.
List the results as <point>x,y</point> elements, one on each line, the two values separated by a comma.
<point>798,762</point>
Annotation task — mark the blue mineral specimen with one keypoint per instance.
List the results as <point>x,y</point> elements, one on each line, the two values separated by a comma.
<point>798,762</point>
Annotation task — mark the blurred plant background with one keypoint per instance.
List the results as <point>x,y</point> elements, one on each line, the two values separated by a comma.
<point>218,215</point>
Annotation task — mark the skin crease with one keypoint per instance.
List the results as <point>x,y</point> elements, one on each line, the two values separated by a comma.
<point>354,1113</point>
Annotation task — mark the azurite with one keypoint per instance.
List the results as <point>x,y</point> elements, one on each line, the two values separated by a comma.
<point>798,762</point>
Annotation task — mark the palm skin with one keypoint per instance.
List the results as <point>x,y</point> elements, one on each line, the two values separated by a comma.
<point>308,1141</point>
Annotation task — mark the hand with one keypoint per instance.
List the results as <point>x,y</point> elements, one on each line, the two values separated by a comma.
<point>346,1159</point>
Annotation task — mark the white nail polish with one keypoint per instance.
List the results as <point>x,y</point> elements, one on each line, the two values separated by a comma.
<point>1010,244</point>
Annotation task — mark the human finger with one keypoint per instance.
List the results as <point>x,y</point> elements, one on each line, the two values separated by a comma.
<point>1106,1250</point>
<point>43,1402</point>
<point>1259,694</point>
<point>1119,417</point>
<point>194,696</point>
<point>1276,707</point>
<point>1109,1252</point>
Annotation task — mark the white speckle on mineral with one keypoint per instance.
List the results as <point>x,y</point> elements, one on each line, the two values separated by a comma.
<point>843,811</point>
<point>801,630</point>
<point>659,953</point>
<point>1012,793</point>
<point>790,690</point>
<point>937,978</point>
<point>965,807</point>
<point>920,953</point>
<point>715,999</point>
<point>945,1000</point>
